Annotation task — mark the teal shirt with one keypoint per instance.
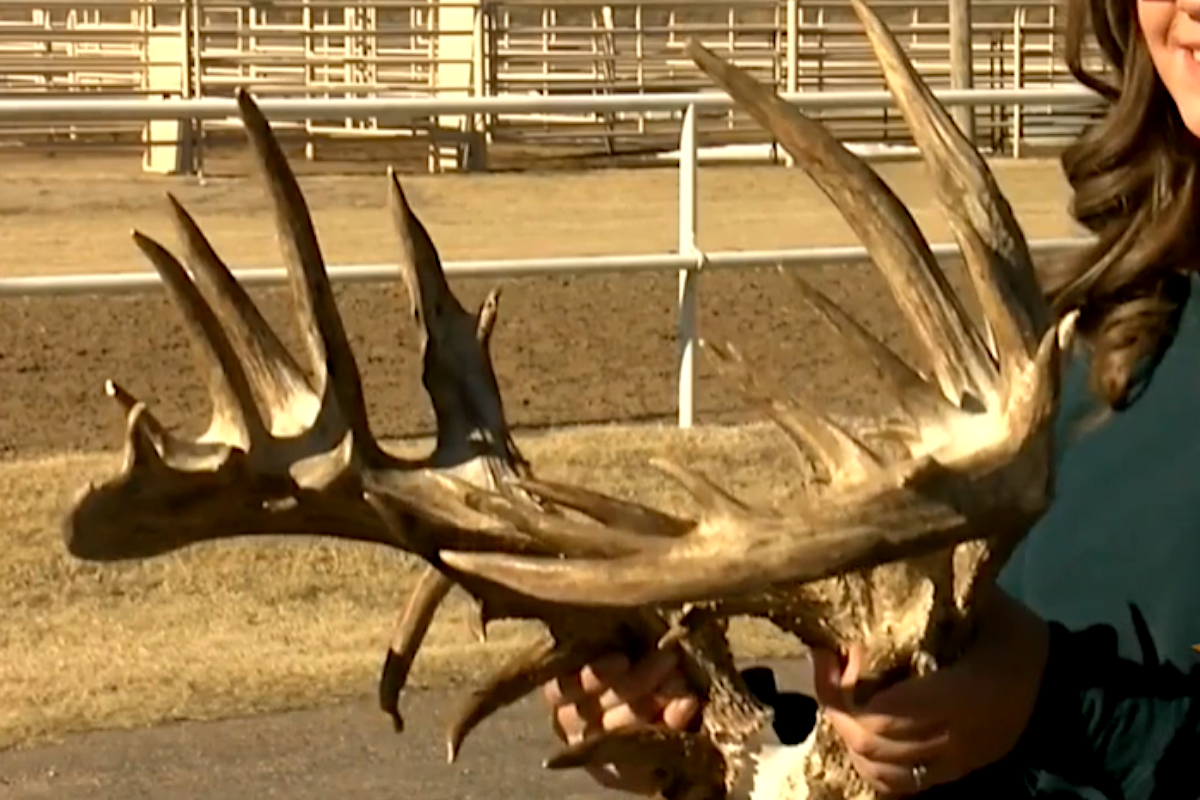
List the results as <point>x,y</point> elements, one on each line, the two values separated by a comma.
<point>1125,524</point>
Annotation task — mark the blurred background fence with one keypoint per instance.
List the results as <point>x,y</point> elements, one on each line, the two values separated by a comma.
<point>470,48</point>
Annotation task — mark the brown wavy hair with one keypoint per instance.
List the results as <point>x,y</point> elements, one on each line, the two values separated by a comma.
<point>1133,173</point>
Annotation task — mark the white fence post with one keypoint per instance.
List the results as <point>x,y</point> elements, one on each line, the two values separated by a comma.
<point>1018,77</point>
<point>793,59</point>
<point>689,277</point>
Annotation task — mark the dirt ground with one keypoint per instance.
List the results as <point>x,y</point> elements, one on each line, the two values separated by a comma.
<point>568,350</point>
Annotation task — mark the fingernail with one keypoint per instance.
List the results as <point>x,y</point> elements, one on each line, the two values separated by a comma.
<point>679,711</point>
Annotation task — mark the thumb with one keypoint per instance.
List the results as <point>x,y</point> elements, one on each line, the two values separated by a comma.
<point>827,677</point>
<point>853,665</point>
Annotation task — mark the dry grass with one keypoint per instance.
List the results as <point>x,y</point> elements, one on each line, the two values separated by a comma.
<point>49,206</point>
<point>230,629</point>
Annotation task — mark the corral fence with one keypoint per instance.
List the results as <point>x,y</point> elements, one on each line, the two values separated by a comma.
<point>376,49</point>
<point>689,260</point>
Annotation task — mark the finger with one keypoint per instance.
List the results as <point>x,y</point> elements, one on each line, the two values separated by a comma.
<point>876,776</point>
<point>928,693</point>
<point>850,670</point>
<point>888,780</point>
<point>904,711</point>
<point>643,681</point>
<point>860,740</point>
<point>680,712</point>
<point>625,716</point>
<point>678,704</point>
<point>827,677</point>
<point>902,728</point>
<point>567,726</point>
<point>577,721</point>
<point>673,686</point>
<point>590,681</point>
<point>898,780</point>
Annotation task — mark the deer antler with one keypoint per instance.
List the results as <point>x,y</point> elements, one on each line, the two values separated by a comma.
<point>284,451</point>
<point>890,553</point>
<point>290,451</point>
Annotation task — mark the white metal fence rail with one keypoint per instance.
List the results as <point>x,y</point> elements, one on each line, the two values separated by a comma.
<point>688,260</point>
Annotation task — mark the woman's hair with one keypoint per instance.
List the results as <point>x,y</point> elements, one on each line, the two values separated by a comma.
<point>1133,173</point>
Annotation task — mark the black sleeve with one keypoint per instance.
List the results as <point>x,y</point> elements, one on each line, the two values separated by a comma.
<point>1120,728</point>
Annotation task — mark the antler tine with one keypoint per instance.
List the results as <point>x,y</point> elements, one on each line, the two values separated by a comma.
<point>235,418</point>
<point>518,676</point>
<point>273,373</point>
<point>921,401</point>
<point>324,335</point>
<point>554,533</point>
<point>457,369</point>
<point>967,475</point>
<point>487,317</point>
<point>960,359</point>
<point>608,510</point>
<point>431,589</point>
<point>837,453</point>
<point>420,265</point>
<point>993,245</point>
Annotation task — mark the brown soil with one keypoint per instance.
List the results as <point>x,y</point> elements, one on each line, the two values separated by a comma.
<point>568,349</point>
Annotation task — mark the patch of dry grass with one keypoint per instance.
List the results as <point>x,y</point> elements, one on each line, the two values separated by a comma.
<point>48,205</point>
<point>236,628</point>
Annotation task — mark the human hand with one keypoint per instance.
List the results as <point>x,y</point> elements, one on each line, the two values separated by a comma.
<point>940,727</point>
<point>611,693</point>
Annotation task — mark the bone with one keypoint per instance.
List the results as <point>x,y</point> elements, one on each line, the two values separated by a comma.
<point>518,677</point>
<point>431,589</point>
<point>881,222</point>
<point>607,510</point>
<point>235,415</point>
<point>993,244</point>
<point>324,335</point>
<point>274,375</point>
